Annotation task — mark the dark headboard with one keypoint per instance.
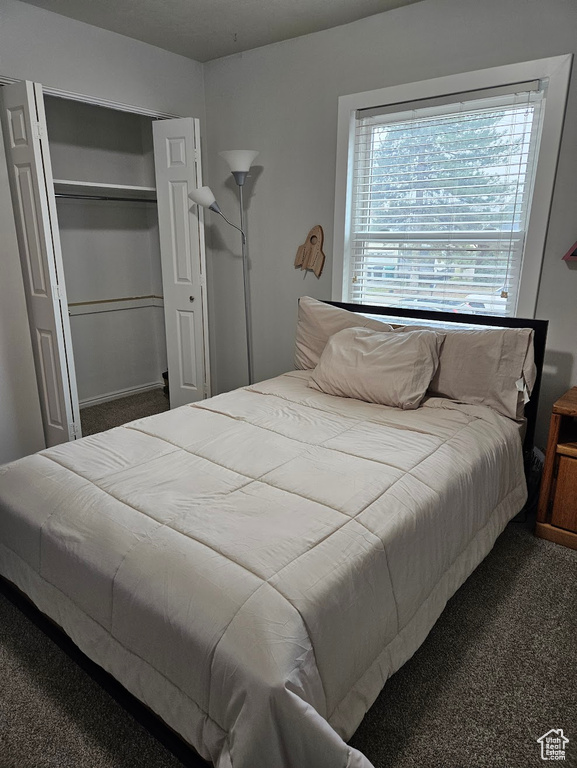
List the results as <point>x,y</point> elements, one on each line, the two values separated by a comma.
<point>539,339</point>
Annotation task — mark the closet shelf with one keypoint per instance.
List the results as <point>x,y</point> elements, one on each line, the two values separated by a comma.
<point>80,188</point>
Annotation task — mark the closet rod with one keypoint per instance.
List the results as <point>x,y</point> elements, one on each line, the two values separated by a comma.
<point>107,197</point>
<point>112,301</point>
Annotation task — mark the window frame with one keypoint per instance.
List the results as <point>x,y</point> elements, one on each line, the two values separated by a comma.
<point>556,70</point>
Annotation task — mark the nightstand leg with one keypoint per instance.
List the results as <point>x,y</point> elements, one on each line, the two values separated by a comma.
<point>549,466</point>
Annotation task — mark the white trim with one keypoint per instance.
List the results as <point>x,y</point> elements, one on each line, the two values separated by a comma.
<point>556,70</point>
<point>120,393</point>
<point>97,102</point>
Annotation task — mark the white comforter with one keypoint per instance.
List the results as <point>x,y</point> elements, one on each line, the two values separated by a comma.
<point>254,567</point>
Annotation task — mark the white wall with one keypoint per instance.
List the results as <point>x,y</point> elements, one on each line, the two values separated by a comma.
<point>111,251</point>
<point>72,56</point>
<point>282,100</point>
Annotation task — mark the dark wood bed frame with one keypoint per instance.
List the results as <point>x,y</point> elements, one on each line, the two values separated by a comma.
<point>539,340</point>
<point>171,740</point>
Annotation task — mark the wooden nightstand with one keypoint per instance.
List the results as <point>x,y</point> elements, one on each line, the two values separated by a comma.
<point>557,513</point>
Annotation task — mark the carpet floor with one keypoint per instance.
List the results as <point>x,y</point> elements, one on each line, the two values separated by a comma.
<point>114,413</point>
<point>498,670</point>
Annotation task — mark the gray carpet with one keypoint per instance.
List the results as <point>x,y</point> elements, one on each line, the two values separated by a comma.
<point>114,413</point>
<point>498,670</point>
<point>53,715</point>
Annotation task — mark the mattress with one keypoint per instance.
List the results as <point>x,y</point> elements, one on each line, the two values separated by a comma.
<point>255,566</point>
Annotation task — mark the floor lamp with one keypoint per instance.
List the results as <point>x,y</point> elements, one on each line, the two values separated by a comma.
<point>240,161</point>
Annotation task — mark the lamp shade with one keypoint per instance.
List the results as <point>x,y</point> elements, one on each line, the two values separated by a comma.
<point>202,196</point>
<point>239,160</point>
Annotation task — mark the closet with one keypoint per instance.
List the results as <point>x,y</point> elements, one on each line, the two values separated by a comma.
<point>112,254</point>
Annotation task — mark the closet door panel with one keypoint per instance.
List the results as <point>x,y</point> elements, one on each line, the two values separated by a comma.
<point>187,345</point>
<point>182,258</point>
<point>28,159</point>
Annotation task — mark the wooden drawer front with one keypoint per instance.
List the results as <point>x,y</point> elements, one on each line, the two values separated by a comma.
<point>564,512</point>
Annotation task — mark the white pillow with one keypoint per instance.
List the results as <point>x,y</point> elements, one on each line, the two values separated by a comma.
<point>387,368</point>
<point>317,322</point>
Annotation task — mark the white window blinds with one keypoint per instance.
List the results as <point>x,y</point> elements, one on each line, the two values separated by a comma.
<point>440,200</point>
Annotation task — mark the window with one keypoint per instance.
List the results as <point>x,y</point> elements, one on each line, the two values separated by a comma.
<point>438,194</point>
<point>440,203</point>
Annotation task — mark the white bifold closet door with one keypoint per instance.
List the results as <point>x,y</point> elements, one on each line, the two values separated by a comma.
<point>177,168</point>
<point>32,187</point>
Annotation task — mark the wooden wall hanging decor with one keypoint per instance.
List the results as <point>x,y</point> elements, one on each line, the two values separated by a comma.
<point>310,254</point>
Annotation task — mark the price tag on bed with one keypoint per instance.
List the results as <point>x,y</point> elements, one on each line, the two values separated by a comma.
<point>522,387</point>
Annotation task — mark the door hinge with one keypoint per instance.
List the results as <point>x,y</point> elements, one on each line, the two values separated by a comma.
<point>39,130</point>
<point>59,290</point>
<point>74,429</point>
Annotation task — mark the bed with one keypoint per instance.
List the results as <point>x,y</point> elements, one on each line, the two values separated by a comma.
<point>255,566</point>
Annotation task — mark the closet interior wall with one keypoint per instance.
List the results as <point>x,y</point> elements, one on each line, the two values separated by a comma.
<point>110,248</point>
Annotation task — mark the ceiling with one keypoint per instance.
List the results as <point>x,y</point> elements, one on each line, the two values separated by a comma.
<point>208,29</point>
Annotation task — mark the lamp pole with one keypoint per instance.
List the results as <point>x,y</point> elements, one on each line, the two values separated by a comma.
<point>240,161</point>
<point>246,282</point>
